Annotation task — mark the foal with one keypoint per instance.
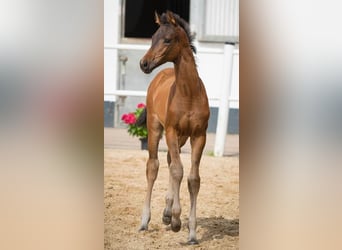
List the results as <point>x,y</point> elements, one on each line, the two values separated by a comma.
<point>177,103</point>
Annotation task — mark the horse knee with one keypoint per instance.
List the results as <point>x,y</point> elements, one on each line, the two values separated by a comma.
<point>152,167</point>
<point>194,184</point>
<point>176,172</point>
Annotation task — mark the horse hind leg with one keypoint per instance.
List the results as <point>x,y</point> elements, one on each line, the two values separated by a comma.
<point>197,145</point>
<point>152,167</point>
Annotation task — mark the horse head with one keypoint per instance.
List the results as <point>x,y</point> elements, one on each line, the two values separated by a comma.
<point>167,41</point>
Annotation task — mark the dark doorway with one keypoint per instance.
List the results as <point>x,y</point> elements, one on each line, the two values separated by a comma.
<point>139,15</point>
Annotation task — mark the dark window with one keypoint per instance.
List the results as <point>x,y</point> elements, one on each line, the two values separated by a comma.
<point>139,15</point>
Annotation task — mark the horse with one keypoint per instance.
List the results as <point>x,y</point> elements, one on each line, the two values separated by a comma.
<point>176,103</point>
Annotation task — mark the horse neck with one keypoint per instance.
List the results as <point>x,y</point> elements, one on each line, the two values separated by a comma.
<point>187,79</point>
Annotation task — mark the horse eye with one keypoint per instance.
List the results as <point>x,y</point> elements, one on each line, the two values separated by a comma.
<point>167,40</point>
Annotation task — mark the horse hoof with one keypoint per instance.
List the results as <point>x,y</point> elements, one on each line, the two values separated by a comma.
<point>166,219</point>
<point>176,225</point>
<point>143,228</point>
<point>193,242</point>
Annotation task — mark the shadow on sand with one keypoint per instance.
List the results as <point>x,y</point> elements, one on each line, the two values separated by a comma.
<point>218,227</point>
<point>215,228</point>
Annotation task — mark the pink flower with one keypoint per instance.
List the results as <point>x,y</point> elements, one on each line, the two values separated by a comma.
<point>131,118</point>
<point>128,118</point>
<point>141,105</point>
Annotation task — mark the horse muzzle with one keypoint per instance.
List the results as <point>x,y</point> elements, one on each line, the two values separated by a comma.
<point>147,66</point>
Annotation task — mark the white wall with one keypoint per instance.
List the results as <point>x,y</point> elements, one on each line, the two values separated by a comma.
<point>211,69</point>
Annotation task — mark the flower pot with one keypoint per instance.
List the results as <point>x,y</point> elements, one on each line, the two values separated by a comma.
<point>143,143</point>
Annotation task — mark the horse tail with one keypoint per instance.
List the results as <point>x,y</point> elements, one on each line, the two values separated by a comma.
<point>141,121</point>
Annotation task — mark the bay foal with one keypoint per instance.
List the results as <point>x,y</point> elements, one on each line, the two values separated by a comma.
<point>177,103</point>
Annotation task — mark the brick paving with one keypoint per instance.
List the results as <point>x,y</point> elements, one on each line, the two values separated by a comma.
<point>118,138</point>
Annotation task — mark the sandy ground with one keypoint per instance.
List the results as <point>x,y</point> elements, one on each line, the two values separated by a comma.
<point>124,192</point>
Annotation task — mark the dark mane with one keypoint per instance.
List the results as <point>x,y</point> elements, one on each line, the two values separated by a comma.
<point>181,22</point>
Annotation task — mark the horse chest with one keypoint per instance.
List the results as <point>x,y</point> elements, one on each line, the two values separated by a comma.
<point>187,123</point>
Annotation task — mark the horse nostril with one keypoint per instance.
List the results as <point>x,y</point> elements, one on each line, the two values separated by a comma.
<point>144,65</point>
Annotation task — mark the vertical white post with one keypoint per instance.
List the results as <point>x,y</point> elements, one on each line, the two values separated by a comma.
<point>112,14</point>
<point>223,112</point>
<point>111,36</point>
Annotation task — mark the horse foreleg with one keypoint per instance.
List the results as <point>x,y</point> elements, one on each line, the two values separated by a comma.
<point>167,214</point>
<point>176,176</point>
<point>152,167</point>
<point>197,146</point>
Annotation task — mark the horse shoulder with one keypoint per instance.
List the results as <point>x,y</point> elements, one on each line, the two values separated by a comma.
<point>161,79</point>
<point>158,93</point>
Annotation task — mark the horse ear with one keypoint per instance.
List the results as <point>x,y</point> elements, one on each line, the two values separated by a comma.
<point>157,18</point>
<point>171,18</point>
